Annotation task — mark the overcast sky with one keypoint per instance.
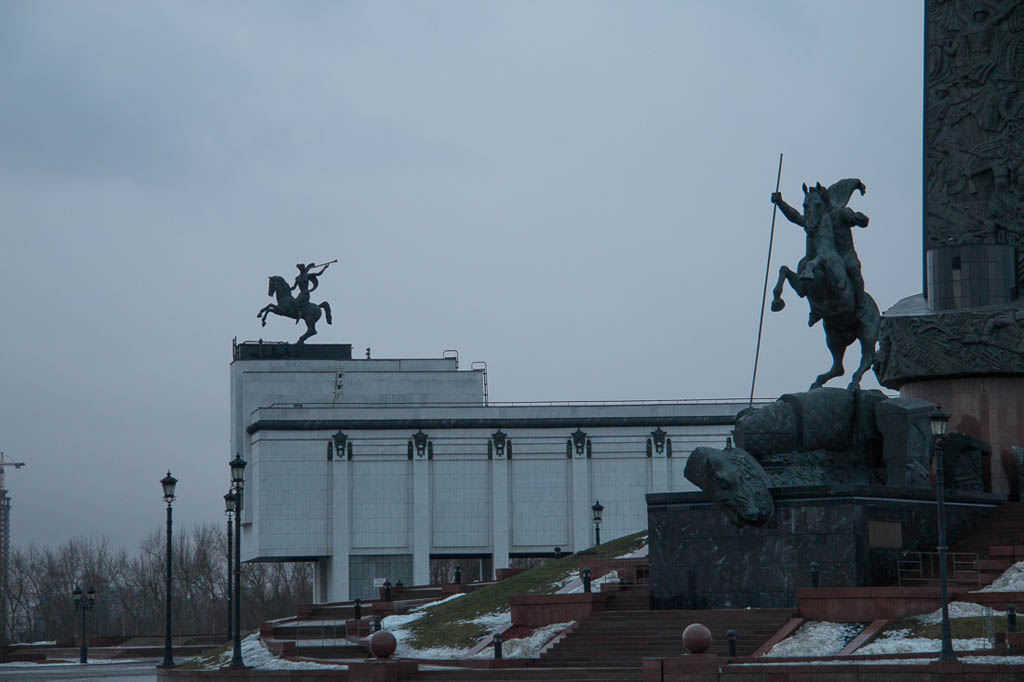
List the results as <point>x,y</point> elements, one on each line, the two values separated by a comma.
<point>576,193</point>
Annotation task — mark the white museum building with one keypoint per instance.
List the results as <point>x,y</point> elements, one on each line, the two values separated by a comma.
<point>371,468</point>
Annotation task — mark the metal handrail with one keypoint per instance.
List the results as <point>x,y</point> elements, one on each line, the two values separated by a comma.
<point>924,567</point>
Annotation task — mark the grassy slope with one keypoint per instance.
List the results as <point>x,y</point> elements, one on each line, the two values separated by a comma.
<point>443,626</point>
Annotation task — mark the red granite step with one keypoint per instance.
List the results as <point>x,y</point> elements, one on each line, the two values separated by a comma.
<point>529,674</point>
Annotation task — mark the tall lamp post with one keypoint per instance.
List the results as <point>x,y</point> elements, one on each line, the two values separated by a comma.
<point>939,420</point>
<point>598,509</point>
<point>168,482</point>
<point>83,602</point>
<point>229,509</point>
<point>238,480</point>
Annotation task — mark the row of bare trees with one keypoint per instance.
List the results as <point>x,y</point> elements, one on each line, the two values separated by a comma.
<point>130,587</point>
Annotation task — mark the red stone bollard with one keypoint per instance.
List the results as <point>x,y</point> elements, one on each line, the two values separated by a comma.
<point>696,638</point>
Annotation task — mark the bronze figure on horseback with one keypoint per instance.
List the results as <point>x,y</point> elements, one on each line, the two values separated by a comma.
<point>299,307</point>
<point>829,275</point>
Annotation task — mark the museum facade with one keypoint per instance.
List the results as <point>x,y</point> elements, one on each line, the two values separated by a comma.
<point>372,468</point>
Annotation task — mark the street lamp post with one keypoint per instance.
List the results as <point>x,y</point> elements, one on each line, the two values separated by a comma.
<point>238,480</point>
<point>598,509</point>
<point>83,602</point>
<point>938,421</point>
<point>229,509</point>
<point>168,482</point>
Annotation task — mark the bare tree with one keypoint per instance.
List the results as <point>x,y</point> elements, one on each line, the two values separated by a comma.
<point>130,588</point>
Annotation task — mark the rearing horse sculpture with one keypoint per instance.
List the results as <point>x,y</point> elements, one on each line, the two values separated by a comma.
<point>829,276</point>
<point>287,306</point>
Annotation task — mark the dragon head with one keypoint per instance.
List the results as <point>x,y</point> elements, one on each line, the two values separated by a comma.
<point>735,481</point>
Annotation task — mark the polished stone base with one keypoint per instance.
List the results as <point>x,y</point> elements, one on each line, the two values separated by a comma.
<point>986,408</point>
<point>698,559</point>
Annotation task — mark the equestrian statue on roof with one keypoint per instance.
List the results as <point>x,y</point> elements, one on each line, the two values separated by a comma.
<point>299,307</point>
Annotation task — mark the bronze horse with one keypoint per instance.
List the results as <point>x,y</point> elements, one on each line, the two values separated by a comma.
<point>287,306</point>
<point>829,277</point>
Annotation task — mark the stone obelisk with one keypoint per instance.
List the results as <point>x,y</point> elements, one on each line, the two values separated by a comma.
<point>961,343</point>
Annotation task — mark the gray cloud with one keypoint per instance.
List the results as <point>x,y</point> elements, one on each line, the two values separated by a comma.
<point>575,192</point>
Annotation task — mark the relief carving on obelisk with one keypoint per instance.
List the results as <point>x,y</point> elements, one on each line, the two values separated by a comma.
<point>974,124</point>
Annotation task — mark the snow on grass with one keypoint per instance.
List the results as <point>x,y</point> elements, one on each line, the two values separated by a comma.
<point>565,583</point>
<point>993,660</point>
<point>638,554</point>
<point>494,620</point>
<point>817,638</point>
<point>255,655</point>
<point>957,609</point>
<point>451,597</point>
<point>1012,580</point>
<point>595,585</point>
<point>899,642</point>
<point>398,626</point>
<point>525,647</point>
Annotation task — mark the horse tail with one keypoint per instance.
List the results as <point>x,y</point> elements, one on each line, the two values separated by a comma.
<point>327,311</point>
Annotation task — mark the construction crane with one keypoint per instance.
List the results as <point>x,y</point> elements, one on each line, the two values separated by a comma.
<point>5,463</point>
<point>5,543</point>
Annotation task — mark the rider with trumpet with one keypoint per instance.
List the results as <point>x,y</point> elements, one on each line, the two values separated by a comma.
<point>303,280</point>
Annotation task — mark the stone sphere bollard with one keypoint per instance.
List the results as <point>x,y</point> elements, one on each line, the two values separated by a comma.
<point>382,644</point>
<point>696,638</point>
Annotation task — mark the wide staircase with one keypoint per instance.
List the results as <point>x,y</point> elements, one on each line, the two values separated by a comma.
<point>319,631</point>
<point>998,541</point>
<point>329,631</point>
<point>529,674</point>
<point>624,637</point>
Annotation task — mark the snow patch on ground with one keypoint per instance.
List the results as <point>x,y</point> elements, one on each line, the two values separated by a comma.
<point>957,609</point>
<point>432,604</point>
<point>638,554</point>
<point>595,585</point>
<point>994,660</point>
<point>399,627</point>
<point>92,661</point>
<point>897,642</point>
<point>817,638</point>
<point>565,583</point>
<point>525,647</point>
<point>255,655</point>
<point>1012,580</point>
<point>494,620</point>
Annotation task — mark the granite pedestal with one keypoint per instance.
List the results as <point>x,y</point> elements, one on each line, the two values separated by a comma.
<point>698,559</point>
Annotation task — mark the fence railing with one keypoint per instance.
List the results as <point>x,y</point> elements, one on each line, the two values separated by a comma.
<point>915,568</point>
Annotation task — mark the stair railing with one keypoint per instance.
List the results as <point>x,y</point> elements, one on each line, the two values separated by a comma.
<point>923,567</point>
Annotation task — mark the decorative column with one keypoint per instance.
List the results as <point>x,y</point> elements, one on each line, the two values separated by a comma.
<point>332,573</point>
<point>661,465</point>
<point>582,534</point>
<point>501,522</point>
<point>423,451</point>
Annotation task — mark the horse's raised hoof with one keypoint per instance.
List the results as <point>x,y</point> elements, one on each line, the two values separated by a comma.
<point>777,305</point>
<point>263,322</point>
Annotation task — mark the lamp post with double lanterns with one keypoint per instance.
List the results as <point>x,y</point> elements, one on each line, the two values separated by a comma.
<point>939,421</point>
<point>598,510</point>
<point>168,482</point>
<point>237,482</point>
<point>229,510</point>
<point>83,602</point>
